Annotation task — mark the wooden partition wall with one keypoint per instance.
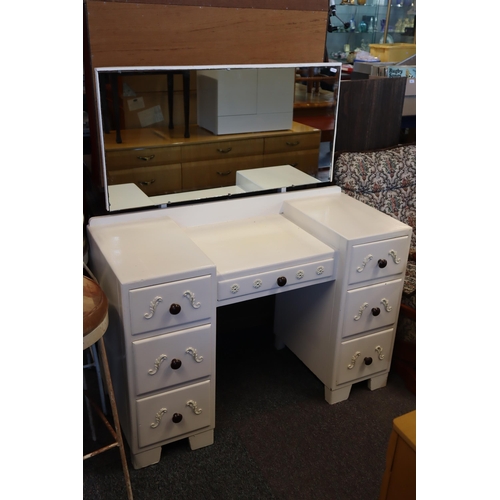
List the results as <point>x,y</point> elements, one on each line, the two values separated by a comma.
<point>199,32</point>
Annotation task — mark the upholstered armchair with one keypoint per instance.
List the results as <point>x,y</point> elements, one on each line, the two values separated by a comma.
<point>386,180</point>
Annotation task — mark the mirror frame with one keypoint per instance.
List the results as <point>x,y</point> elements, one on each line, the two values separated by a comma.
<point>197,195</point>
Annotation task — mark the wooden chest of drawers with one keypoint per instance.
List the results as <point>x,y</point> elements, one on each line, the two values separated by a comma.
<point>172,164</point>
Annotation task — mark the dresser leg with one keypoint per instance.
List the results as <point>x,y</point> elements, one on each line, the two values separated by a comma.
<point>377,382</point>
<point>146,458</point>
<point>201,440</point>
<point>333,396</point>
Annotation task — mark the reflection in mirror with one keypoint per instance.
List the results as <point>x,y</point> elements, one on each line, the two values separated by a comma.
<point>177,134</point>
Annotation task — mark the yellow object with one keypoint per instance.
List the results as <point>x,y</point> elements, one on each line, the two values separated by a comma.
<point>392,52</point>
<point>399,481</point>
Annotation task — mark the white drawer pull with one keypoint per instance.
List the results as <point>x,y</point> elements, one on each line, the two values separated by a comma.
<point>193,405</point>
<point>353,360</point>
<point>152,307</point>
<point>360,312</point>
<point>190,296</point>
<point>395,257</point>
<point>380,355</point>
<point>158,362</point>
<point>158,418</point>
<point>385,303</point>
<point>367,259</point>
<point>194,353</point>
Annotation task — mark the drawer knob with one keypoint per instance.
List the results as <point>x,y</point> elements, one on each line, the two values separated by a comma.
<point>375,311</point>
<point>368,360</point>
<point>281,281</point>
<point>175,364</point>
<point>175,309</point>
<point>382,263</point>
<point>176,418</point>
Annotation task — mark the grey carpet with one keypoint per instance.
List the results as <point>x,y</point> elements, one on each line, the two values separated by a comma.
<point>275,436</point>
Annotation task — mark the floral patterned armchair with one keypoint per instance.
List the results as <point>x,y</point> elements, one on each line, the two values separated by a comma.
<point>386,180</point>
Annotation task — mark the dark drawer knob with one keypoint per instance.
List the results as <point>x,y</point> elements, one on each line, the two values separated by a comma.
<point>382,263</point>
<point>176,418</point>
<point>175,364</point>
<point>175,309</point>
<point>368,361</point>
<point>281,281</point>
<point>375,311</point>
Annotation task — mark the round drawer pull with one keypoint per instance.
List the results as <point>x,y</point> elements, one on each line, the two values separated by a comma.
<point>281,281</point>
<point>175,309</point>
<point>375,311</point>
<point>176,418</point>
<point>368,361</point>
<point>382,263</point>
<point>175,364</point>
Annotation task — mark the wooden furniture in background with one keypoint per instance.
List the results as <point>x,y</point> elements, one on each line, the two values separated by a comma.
<point>169,164</point>
<point>369,114</point>
<point>399,481</point>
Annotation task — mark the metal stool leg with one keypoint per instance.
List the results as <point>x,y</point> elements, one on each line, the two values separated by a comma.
<point>119,439</point>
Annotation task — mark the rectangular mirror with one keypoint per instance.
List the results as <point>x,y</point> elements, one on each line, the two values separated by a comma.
<point>171,135</point>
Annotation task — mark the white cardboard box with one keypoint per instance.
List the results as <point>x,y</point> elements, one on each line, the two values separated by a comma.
<point>245,100</point>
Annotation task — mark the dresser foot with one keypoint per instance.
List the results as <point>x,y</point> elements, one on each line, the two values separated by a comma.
<point>146,458</point>
<point>337,395</point>
<point>377,382</point>
<point>201,440</point>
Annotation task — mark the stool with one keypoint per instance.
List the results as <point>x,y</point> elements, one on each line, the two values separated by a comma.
<point>399,479</point>
<point>95,324</point>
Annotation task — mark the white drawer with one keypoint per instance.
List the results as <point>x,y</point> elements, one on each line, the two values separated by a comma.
<point>364,356</point>
<point>154,307</point>
<point>155,414</point>
<point>367,259</point>
<point>371,307</point>
<point>173,358</point>
<point>273,280</point>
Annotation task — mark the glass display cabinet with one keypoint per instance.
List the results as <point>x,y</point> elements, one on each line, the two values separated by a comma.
<point>358,23</point>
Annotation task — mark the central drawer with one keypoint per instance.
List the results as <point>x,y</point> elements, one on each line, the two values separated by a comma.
<point>251,254</point>
<point>219,150</point>
<point>277,280</point>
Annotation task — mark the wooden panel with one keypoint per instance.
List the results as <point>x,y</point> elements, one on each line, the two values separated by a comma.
<point>145,34</point>
<point>244,4</point>
<point>369,114</point>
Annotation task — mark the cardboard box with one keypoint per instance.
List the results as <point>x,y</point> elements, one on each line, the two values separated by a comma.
<point>392,52</point>
<point>145,100</point>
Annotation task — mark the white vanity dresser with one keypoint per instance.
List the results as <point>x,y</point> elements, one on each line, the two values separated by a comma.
<point>336,265</point>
